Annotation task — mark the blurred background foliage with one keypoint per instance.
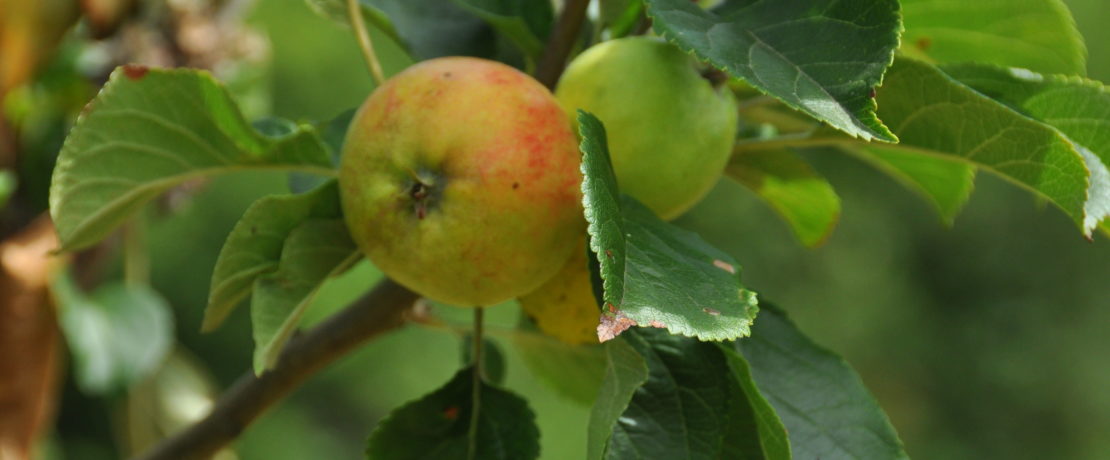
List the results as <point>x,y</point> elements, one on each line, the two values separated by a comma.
<point>984,340</point>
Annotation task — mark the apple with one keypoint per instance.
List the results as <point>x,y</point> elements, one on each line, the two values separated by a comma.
<point>670,130</point>
<point>565,307</point>
<point>459,179</point>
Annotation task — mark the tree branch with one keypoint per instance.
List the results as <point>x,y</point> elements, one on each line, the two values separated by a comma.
<point>555,54</point>
<point>381,310</point>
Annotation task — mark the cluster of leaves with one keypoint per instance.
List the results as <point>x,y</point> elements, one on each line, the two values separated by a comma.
<point>929,92</point>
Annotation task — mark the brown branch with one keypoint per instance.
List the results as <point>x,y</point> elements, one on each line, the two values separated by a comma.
<point>381,310</point>
<point>555,54</point>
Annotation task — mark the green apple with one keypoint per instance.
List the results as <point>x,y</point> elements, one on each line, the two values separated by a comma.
<point>460,180</point>
<point>670,130</point>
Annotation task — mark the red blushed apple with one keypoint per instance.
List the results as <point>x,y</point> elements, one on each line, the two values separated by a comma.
<point>460,180</point>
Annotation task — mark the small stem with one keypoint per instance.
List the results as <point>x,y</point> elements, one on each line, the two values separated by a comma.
<point>136,261</point>
<point>355,15</point>
<point>554,57</point>
<point>476,391</point>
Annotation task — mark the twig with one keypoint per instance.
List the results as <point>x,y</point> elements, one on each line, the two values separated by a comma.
<point>355,15</point>
<point>555,54</point>
<point>379,311</point>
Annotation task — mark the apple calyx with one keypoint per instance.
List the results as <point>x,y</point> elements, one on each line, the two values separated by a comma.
<point>423,192</point>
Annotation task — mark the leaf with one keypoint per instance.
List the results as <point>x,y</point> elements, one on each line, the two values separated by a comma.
<point>690,407</point>
<point>625,372</point>
<point>314,251</point>
<point>1077,107</point>
<point>819,398</point>
<point>524,22</point>
<point>801,196</point>
<point>945,183</point>
<point>771,45</point>
<point>254,246</point>
<point>936,115</point>
<point>1035,34</point>
<point>773,441</point>
<point>118,335</point>
<point>436,426</point>
<point>152,129</point>
<point>655,274</point>
<point>572,371</point>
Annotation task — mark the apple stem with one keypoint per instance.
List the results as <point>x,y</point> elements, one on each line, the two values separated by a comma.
<point>354,13</point>
<point>476,391</point>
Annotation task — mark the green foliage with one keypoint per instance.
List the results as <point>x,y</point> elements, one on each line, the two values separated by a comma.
<point>279,253</point>
<point>690,406</point>
<point>437,426</point>
<point>801,196</point>
<point>823,404</point>
<point>149,130</point>
<point>119,334</point>
<point>771,46</point>
<point>656,274</point>
<point>625,372</point>
<point>772,395</point>
<point>933,114</point>
<point>1035,34</point>
<point>315,250</point>
<point>255,246</point>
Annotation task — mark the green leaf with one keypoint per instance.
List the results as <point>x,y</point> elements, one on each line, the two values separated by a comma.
<point>690,407</point>
<point>819,398</point>
<point>625,372</point>
<point>772,46</point>
<point>573,371</point>
<point>524,22</point>
<point>944,183</point>
<point>1077,107</point>
<point>936,115</point>
<point>118,335</point>
<point>151,129</point>
<point>314,251</point>
<point>436,426</point>
<point>1034,34</point>
<point>801,196</point>
<point>773,441</point>
<point>654,273</point>
<point>254,246</point>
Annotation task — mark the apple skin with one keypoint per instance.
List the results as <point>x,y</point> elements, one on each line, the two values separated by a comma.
<point>460,180</point>
<point>565,307</point>
<point>670,131</point>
